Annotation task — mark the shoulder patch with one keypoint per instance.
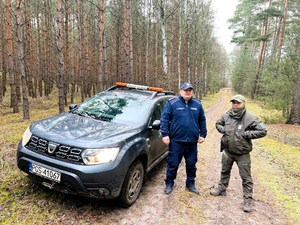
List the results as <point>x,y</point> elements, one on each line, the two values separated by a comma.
<point>262,125</point>
<point>174,99</point>
<point>197,100</point>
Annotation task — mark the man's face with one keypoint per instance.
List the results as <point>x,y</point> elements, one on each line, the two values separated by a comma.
<point>237,105</point>
<point>186,94</point>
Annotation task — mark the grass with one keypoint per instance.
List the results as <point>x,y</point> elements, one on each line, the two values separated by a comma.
<point>277,169</point>
<point>16,192</point>
<point>277,164</point>
<point>210,100</point>
<point>268,116</point>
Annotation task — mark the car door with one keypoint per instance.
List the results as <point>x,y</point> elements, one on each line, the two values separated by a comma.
<point>156,145</point>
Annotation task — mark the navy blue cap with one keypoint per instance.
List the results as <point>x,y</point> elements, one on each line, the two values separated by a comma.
<point>186,86</point>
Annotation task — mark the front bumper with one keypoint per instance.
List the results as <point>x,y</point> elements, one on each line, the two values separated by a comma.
<point>96,181</point>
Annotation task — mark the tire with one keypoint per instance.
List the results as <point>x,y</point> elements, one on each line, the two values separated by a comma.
<point>132,185</point>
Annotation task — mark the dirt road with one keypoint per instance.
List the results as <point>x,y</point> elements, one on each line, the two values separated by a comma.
<point>181,206</point>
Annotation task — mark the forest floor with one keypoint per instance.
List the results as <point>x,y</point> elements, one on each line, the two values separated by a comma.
<point>275,175</point>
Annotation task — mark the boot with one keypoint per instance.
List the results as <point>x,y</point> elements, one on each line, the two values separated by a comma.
<point>218,191</point>
<point>168,189</point>
<point>247,206</point>
<point>193,189</point>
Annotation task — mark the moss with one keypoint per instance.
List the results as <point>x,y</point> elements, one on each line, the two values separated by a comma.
<point>285,155</point>
<point>268,116</point>
<point>277,168</point>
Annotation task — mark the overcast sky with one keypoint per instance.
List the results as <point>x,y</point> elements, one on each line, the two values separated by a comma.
<point>224,9</point>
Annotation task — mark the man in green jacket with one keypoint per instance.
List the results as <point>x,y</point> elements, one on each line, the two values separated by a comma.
<point>238,127</point>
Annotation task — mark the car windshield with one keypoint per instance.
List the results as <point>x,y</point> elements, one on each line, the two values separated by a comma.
<point>116,106</point>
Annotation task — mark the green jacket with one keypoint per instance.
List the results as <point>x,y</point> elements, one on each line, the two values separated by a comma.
<point>238,131</point>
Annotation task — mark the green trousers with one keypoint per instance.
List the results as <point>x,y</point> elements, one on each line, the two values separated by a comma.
<point>244,164</point>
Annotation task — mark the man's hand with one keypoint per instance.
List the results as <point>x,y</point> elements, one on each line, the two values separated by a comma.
<point>201,140</point>
<point>166,140</point>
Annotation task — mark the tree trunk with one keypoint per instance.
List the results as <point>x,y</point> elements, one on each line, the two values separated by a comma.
<point>28,60</point>
<point>130,40</point>
<point>21,60</point>
<point>148,28</point>
<point>3,58</point>
<point>66,52</point>
<point>39,55</point>
<point>179,49</point>
<point>126,40</point>
<point>156,50</point>
<point>101,74</point>
<point>80,46</point>
<point>47,41</point>
<point>188,19</point>
<point>59,47</point>
<point>295,110</point>
<point>10,57</point>
<point>116,58</point>
<point>281,31</point>
<point>260,55</point>
<point>164,37</point>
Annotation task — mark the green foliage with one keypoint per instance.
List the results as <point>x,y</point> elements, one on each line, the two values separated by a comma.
<point>269,12</point>
<point>265,113</point>
<point>244,23</point>
<point>243,73</point>
<point>278,67</point>
<point>277,86</point>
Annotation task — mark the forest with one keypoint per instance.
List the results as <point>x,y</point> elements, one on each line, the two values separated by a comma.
<point>54,53</point>
<point>83,47</point>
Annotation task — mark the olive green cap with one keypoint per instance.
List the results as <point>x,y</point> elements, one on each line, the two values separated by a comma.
<point>239,98</point>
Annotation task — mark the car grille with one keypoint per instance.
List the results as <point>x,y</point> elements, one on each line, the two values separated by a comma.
<point>55,150</point>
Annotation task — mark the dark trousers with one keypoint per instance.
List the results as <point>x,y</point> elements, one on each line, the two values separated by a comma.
<point>244,164</point>
<point>178,150</point>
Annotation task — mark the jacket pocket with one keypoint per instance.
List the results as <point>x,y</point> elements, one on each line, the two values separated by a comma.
<point>224,143</point>
<point>242,145</point>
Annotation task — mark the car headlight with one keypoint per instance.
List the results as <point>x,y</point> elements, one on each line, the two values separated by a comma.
<point>26,136</point>
<point>99,156</point>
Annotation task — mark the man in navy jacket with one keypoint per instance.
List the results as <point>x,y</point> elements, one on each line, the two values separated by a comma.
<point>183,125</point>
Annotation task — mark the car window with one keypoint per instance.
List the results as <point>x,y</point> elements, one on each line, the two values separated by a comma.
<point>116,106</point>
<point>158,108</point>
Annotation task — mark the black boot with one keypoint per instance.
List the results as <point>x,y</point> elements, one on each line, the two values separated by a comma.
<point>247,206</point>
<point>218,191</point>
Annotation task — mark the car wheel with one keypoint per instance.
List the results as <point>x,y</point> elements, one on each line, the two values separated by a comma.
<point>132,184</point>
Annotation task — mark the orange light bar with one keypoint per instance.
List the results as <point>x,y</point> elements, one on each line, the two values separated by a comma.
<point>157,89</point>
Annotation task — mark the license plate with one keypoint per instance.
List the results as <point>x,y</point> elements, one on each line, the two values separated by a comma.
<point>44,172</point>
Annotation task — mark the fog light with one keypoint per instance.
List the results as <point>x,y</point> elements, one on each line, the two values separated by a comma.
<point>103,191</point>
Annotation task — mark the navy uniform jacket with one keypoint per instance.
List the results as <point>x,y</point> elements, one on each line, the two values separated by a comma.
<point>183,122</point>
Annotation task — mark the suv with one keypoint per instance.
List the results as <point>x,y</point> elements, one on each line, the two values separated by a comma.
<point>101,148</point>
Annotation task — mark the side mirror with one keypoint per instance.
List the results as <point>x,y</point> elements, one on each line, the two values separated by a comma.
<point>155,125</point>
<point>72,106</point>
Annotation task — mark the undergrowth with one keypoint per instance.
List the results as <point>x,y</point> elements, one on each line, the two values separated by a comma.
<point>277,168</point>
<point>268,116</point>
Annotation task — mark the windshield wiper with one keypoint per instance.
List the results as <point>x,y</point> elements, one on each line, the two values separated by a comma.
<point>86,114</point>
<point>105,103</point>
<point>102,118</point>
<point>81,113</point>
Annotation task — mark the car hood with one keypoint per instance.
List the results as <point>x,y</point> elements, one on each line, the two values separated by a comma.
<point>72,128</point>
